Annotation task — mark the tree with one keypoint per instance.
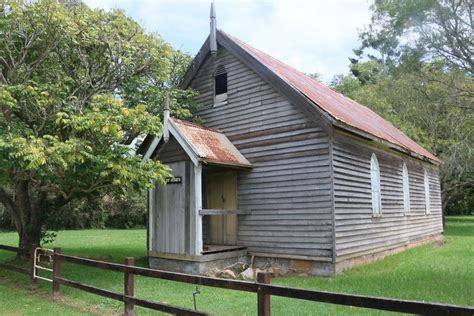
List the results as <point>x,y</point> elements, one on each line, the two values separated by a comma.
<point>434,106</point>
<point>77,86</point>
<point>422,30</point>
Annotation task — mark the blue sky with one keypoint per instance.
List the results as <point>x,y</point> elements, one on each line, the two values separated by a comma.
<point>310,35</point>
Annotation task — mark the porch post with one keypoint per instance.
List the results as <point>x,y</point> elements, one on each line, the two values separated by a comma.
<point>150,230</point>
<point>196,205</point>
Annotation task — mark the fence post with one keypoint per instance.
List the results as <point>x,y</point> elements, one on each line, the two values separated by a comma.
<point>262,297</point>
<point>128,286</point>
<point>33,280</point>
<point>56,271</point>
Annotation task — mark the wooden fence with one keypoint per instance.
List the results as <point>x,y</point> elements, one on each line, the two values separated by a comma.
<point>261,287</point>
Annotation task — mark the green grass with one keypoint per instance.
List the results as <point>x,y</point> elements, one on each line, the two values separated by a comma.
<point>432,273</point>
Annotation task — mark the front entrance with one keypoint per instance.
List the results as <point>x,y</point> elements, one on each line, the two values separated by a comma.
<point>221,193</point>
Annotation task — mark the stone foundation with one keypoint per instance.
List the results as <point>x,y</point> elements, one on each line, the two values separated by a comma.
<point>320,267</point>
<point>195,264</point>
<point>310,267</point>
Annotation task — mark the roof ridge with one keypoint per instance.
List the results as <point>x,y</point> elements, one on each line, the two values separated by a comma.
<point>299,71</point>
<point>192,124</point>
<point>261,51</point>
<point>340,107</point>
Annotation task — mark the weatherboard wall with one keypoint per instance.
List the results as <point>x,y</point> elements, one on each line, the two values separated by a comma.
<point>288,191</point>
<point>357,232</point>
<point>169,212</point>
<point>171,151</point>
<point>169,206</point>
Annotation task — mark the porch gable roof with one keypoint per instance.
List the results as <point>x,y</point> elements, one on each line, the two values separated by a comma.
<point>202,144</point>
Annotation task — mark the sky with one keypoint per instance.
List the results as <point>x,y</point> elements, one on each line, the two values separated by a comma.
<point>313,36</point>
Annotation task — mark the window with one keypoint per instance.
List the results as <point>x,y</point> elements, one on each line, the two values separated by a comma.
<point>375,186</point>
<point>220,85</point>
<point>427,193</point>
<point>406,189</point>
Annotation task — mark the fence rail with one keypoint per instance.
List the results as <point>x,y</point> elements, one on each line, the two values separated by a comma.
<point>261,287</point>
<point>9,266</point>
<point>129,299</point>
<point>165,275</point>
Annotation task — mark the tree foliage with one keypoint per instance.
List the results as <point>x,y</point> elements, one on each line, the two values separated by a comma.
<point>422,82</point>
<point>422,29</point>
<point>77,86</point>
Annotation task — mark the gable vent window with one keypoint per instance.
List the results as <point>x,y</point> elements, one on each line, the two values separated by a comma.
<point>375,186</point>
<point>220,85</point>
<point>427,193</point>
<point>406,189</point>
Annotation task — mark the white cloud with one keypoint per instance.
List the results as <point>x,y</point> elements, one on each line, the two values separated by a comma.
<point>312,36</point>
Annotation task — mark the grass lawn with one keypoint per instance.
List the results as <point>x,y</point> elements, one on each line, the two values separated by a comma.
<point>439,274</point>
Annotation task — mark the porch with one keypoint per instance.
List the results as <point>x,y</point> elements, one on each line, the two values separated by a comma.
<point>193,218</point>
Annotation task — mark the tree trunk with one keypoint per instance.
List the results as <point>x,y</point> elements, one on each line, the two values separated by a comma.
<point>26,204</point>
<point>26,240</point>
<point>27,214</point>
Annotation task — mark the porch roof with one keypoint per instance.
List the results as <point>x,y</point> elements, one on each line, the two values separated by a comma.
<point>207,144</point>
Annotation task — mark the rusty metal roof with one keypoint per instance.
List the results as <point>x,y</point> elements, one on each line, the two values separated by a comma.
<point>338,106</point>
<point>210,145</point>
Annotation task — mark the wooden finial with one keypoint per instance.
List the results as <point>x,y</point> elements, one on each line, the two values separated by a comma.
<point>212,34</point>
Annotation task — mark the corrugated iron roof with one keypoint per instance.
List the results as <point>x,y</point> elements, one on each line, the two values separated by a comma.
<point>335,104</point>
<point>210,145</point>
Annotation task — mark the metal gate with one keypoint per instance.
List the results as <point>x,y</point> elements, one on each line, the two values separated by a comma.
<point>43,258</point>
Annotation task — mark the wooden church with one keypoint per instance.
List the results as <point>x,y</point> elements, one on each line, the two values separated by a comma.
<point>284,170</point>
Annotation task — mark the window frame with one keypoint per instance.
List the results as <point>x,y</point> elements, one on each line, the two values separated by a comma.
<point>221,98</point>
<point>426,186</point>
<point>406,188</point>
<point>375,186</point>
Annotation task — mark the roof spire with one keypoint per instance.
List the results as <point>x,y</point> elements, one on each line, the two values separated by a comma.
<point>212,34</point>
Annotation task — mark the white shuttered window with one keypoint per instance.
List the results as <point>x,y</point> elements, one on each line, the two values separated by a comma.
<point>427,193</point>
<point>375,186</point>
<point>406,189</point>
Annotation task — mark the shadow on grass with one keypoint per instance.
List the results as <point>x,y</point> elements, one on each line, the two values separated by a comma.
<point>107,254</point>
<point>460,226</point>
<point>461,231</point>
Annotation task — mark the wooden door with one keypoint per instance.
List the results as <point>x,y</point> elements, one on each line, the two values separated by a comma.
<point>221,193</point>
<point>169,213</point>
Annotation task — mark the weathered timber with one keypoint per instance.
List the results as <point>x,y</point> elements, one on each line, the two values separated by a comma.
<point>56,272</point>
<point>263,297</point>
<point>287,149</point>
<point>166,275</point>
<point>386,304</point>
<point>14,268</point>
<point>129,299</point>
<point>223,212</point>
<point>264,291</point>
<point>356,232</point>
<point>128,288</point>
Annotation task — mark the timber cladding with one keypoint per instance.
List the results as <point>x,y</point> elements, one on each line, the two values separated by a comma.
<point>171,151</point>
<point>288,191</point>
<point>357,232</point>
<point>169,213</point>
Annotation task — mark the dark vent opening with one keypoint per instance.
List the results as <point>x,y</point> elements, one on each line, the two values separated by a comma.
<point>220,80</point>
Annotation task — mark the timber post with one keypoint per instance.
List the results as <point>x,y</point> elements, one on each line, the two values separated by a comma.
<point>263,298</point>
<point>56,271</point>
<point>33,280</point>
<point>128,287</point>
